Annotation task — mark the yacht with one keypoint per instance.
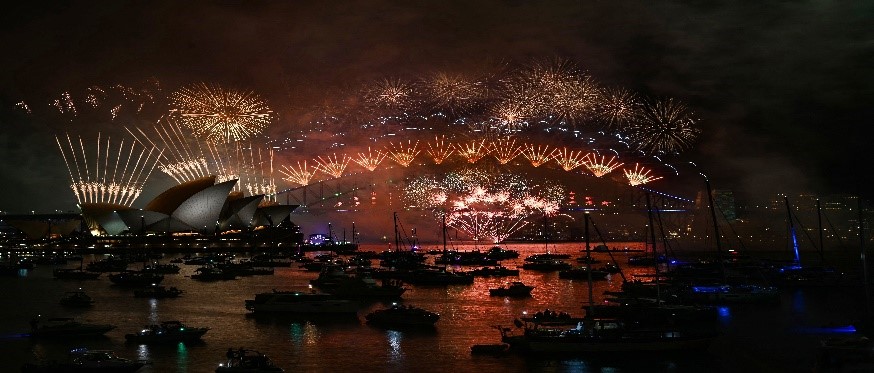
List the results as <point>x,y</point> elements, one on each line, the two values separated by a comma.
<point>400,315</point>
<point>157,292</point>
<point>77,299</point>
<point>248,361</point>
<point>65,327</point>
<point>83,360</point>
<point>513,289</point>
<point>297,302</point>
<point>168,331</point>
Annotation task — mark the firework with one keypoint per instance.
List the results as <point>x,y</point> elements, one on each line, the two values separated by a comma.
<point>558,90</point>
<point>483,205</point>
<point>618,108</point>
<point>256,172</point>
<point>439,150</point>
<point>474,150</point>
<point>391,93</point>
<point>600,166</point>
<point>511,114</point>
<point>538,154</point>
<point>505,150</point>
<point>219,114</point>
<point>182,158</point>
<point>404,154</point>
<point>370,160</point>
<point>332,165</point>
<point>118,175</point>
<point>663,126</point>
<point>65,104</point>
<point>452,92</point>
<point>569,160</point>
<point>300,174</point>
<point>639,175</point>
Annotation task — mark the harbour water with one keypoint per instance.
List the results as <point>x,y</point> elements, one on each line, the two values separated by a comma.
<point>754,338</point>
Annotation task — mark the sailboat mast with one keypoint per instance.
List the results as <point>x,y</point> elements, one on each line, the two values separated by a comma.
<point>444,233</point>
<point>792,239</point>
<point>591,313</point>
<point>819,229</point>
<point>862,254</point>
<point>397,239</point>
<point>654,251</point>
<point>715,228</point>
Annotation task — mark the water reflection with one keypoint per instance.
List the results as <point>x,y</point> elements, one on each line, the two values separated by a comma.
<point>181,357</point>
<point>153,311</point>
<point>394,341</point>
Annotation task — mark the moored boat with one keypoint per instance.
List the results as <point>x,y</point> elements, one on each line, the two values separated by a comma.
<point>297,302</point>
<point>247,361</point>
<point>65,327</point>
<point>77,299</point>
<point>157,292</point>
<point>513,289</point>
<point>83,360</point>
<point>401,316</point>
<point>168,331</point>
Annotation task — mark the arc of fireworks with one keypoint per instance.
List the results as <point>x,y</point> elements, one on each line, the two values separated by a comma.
<point>639,175</point>
<point>183,159</point>
<point>473,151</point>
<point>301,174</point>
<point>439,150</point>
<point>404,154</point>
<point>332,165</point>
<point>537,154</point>
<point>569,160</point>
<point>601,166</point>
<point>370,161</point>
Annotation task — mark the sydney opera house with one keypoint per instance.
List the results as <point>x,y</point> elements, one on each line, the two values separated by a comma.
<point>198,208</point>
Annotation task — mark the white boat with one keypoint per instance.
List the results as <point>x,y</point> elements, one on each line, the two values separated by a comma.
<point>298,302</point>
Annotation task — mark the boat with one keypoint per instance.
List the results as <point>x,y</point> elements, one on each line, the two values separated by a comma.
<point>165,269</point>
<point>297,302</point>
<point>213,273</point>
<point>499,253</point>
<point>845,354</point>
<point>74,274</point>
<point>546,265</point>
<point>134,278</point>
<point>362,286</point>
<point>247,361</point>
<point>732,293</point>
<point>167,331</point>
<point>77,299</point>
<point>157,292</point>
<point>65,327</point>
<point>513,289</point>
<point>496,271</point>
<point>400,316</point>
<point>87,361</point>
<point>431,276</point>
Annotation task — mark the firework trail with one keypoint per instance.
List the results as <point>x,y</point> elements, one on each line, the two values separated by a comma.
<point>300,174</point>
<point>601,166</point>
<point>370,161</point>
<point>404,154</point>
<point>639,175</point>
<point>439,150</point>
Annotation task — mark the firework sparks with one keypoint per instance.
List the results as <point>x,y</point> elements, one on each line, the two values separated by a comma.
<point>220,114</point>
<point>663,126</point>
<point>370,161</point>
<point>537,154</point>
<point>569,160</point>
<point>182,158</point>
<point>300,174</point>
<point>118,175</point>
<point>618,108</point>
<point>505,150</point>
<point>639,175</point>
<point>392,94</point>
<point>404,154</point>
<point>439,150</point>
<point>332,165</point>
<point>601,166</point>
<point>474,150</point>
<point>453,92</point>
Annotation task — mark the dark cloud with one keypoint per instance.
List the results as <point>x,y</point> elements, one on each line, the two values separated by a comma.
<point>783,89</point>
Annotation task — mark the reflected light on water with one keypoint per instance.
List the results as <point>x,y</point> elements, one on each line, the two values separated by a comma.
<point>181,357</point>
<point>394,341</point>
<point>153,311</point>
<point>143,353</point>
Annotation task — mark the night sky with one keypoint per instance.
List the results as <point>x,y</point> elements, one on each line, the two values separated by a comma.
<point>783,90</point>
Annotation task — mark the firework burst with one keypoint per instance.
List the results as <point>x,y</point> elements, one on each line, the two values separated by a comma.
<point>618,108</point>
<point>332,165</point>
<point>569,160</point>
<point>404,154</point>
<point>300,174</point>
<point>474,150</point>
<point>439,150</point>
<point>639,175</point>
<point>505,150</point>
<point>601,166</point>
<point>370,160</point>
<point>391,93</point>
<point>537,154</point>
<point>663,126</point>
<point>453,92</point>
<point>221,115</point>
